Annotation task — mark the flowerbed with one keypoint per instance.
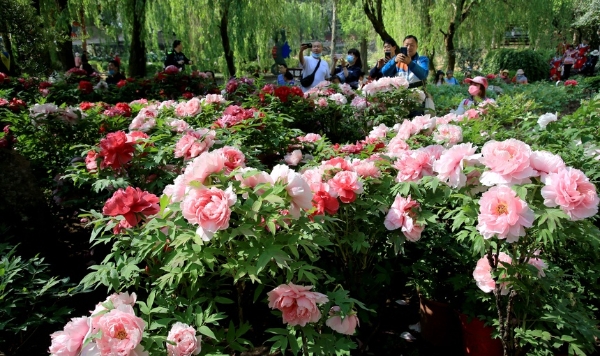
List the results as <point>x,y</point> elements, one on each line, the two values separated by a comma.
<point>216,212</point>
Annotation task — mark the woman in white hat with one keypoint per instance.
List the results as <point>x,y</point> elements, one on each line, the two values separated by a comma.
<point>477,88</point>
<point>520,77</point>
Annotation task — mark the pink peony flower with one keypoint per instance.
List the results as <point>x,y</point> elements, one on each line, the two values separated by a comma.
<point>539,264</point>
<point>508,162</point>
<point>292,159</point>
<point>234,158</point>
<point>379,131</point>
<point>338,98</point>
<point>545,162</point>
<point>424,122</point>
<point>209,208</point>
<point>397,146</point>
<point>450,165</point>
<point>311,137</point>
<point>91,161</point>
<point>346,184</point>
<point>413,165</point>
<point>69,341</point>
<point>335,163</point>
<point>385,84</point>
<point>402,215</point>
<point>178,125</point>
<point>296,187</point>
<point>365,168</point>
<point>406,129</point>
<point>483,274</point>
<point>189,108</point>
<point>322,102</point>
<point>472,113</point>
<point>121,331</point>
<point>448,134</point>
<point>502,213</point>
<point>194,143</point>
<point>572,191</point>
<point>213,99</point>
<point>346,326</point>
<point>185,339</point>
<point>204,165</point>
<point>297,304</point>
<point>176,191</point>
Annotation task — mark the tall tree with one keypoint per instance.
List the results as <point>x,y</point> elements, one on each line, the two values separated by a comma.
<point>374,11</point>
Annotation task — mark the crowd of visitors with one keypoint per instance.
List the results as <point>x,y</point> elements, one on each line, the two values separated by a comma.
<point>570,59</point>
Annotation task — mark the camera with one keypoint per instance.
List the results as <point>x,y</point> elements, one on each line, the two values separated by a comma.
<point>404,51</point>
<point>309,45</point>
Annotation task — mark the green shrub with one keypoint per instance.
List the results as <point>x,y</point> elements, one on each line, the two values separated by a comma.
<point>534,63</point>
<point>28,297</point>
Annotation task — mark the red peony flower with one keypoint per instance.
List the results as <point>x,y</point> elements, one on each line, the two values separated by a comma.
<point>130,80</point>
<point>133,204</point>
<point>124,109</point>
<point>85,106</point>
<point>171,70</point>
<point>3,77</point>
<point>85,87</point>
<point>571,82</point>
<point>121,83</point>
<point>16,104</point>
<point>44,85</point>
<point>187,95</point>
<point>116,150</point>
<point>491,76</point>
<point>325,203</point>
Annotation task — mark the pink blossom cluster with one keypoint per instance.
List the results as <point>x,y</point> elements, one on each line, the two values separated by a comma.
<point>234,115</point>
<point>194,143</point>
<point>216,99</point>
<point>112,328</point>
<point>145,120</point>
<point>402,215</point>
<point>297,304</point>
<point>385,84</point>
<point>189,108</point>
<point>483,271</point>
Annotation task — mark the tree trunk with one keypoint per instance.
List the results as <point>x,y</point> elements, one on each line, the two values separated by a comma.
<point>364,48</point>
<point>225,39</point>
<point>137,50</point>
<point>83,30</point>
<point>374,13</point>
<point>449,45</point>
<point>333,20</point>
<point>65,49</point>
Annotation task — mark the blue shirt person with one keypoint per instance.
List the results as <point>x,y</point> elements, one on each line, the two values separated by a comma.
<point>450,80</point>
<point>413,67</point>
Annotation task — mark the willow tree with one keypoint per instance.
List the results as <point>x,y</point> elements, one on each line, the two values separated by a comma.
<point>449,24</point>
<point>234,30</point>
<point>356,26</point>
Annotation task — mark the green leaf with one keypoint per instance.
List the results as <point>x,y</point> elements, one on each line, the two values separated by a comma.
<point>204,330</point>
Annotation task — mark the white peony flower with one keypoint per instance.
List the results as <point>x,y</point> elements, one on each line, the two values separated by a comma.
<point>545,119</point>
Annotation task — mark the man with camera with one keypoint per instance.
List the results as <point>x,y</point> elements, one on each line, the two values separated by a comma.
<point>389,47</point>
<point>408,63</point>
<point>314,69</point>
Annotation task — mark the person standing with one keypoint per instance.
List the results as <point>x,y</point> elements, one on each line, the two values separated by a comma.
<point>350,69</point>
<point>312,65</point>
<point>568,61</point>
<point>450,80</point>
<point>176,58</point>
<point>439,78</point>
<point>390,50</point>
<point>410,65</point>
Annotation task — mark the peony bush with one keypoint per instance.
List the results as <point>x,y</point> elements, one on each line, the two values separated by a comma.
<point>218,206</point>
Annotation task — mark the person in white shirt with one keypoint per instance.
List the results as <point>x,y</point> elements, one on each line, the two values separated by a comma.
<point>309,63</point>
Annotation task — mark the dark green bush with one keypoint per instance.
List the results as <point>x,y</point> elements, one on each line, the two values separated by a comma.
<point>534,63</point>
